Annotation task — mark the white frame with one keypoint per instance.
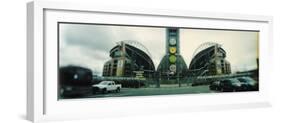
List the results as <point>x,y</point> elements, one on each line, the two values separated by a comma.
<point>36,62</point>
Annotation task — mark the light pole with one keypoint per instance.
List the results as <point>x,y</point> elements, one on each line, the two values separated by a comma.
<point>178,79</point>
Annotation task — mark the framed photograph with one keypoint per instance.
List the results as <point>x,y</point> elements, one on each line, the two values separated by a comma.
<point>95,61</point>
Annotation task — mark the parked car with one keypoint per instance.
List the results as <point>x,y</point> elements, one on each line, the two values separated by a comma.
<point>74,81</point>
<point>215,85</point>
<point>230,85</point>
<point>106,86</point>
<point>248,84</point>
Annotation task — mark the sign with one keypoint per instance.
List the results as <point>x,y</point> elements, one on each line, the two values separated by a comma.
<point>172,59</point>
<point>173,68</point>
<point>173,50</point>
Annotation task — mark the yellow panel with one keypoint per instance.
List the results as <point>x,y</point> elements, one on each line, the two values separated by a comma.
<point>173,50</point>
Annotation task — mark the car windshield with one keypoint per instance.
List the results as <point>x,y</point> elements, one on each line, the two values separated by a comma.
<point>103,83</point>
<point>216,82</point>
<point>246,79</point>
<point>234,81</point>
<point>242,80</point>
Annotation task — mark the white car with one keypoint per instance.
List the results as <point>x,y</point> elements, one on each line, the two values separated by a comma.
<point>106,86</point>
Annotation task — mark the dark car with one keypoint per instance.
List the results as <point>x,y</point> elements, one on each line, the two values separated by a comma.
<point>230,85</point>
<point>215,85</point>
<point>74,81</point>
<point>248,84</point>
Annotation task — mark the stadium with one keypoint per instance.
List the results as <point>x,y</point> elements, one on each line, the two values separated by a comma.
<point>129,59</point>
<point>132,60</point>
<point>209,59</point>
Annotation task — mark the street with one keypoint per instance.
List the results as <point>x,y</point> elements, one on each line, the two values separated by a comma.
<point>154,91</point>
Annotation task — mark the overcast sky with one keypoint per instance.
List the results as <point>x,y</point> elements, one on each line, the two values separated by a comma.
<point>89,45</point>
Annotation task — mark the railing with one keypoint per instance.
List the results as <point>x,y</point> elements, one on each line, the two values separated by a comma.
<point>118,78</point>
<point>223,76</point>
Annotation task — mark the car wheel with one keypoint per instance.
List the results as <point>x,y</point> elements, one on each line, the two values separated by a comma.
<point>62,92</point>
<point>104,91</point>
<point>117,90</point>
<point>222,90</point>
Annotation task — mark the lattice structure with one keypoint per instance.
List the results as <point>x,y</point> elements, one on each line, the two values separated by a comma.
<point>137,45</point>
<point>204,46</point>
<point>209,59</point>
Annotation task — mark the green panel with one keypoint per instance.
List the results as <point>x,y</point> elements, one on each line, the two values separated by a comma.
<point>172,59</point>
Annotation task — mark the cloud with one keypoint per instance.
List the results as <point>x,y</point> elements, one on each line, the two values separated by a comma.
<point>96,38</point>
<point>240,46</point>
<point>89,45</point>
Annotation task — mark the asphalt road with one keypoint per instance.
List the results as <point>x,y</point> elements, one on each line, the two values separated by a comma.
<point>154,91</point>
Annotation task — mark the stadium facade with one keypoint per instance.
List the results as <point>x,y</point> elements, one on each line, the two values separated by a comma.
<point>132,59</point>
<point>129,58</point>
<point>209,59</point>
